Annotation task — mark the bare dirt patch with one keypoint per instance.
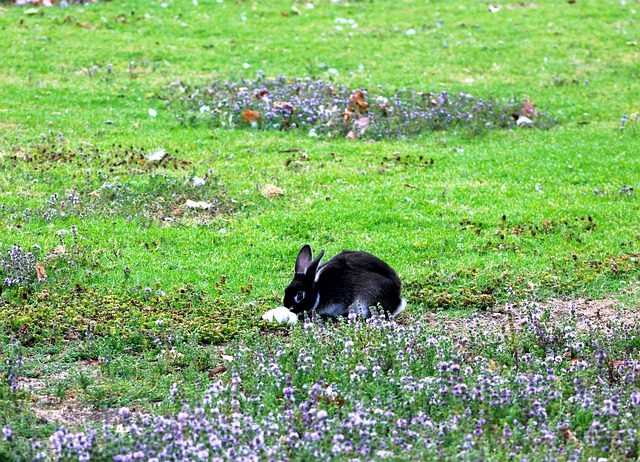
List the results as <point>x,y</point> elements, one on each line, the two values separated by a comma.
<point>589,315</point>
<point>73,413</point>
<point>67,410</point>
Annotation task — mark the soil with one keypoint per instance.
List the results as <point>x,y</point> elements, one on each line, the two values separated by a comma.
<point>589,315</point>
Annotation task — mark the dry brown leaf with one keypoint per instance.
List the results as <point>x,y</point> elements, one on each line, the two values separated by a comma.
<point>249,115</point>
<point>569,435</point>
<point>217,370</point>
<point>270,191</point>
<point>56,252</point>
<point>352,135</point>
<point>348,112</point>
<point>358,99</point>
<point>337,400</point>
<point>42,274</point>
<point>528,109</point>
<point>493,365</point>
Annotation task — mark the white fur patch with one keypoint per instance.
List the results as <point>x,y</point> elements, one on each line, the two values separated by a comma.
<point>360,308</point>
<point>318,273</point>
<point>400,309</point>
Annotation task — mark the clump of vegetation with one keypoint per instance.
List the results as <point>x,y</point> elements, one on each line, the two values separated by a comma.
<point>18,266</point>
<point>320,107</point>
<point>376,389</point>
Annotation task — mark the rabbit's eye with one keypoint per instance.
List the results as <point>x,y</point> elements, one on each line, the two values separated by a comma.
<point>299,297</point>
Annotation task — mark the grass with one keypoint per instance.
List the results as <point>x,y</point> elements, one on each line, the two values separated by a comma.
<point>470,221</point>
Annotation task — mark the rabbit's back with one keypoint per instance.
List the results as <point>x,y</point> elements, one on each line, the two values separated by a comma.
<point>355,281</point>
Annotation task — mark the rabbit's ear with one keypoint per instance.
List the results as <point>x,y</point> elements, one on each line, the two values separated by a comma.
<point>304,264</point>
<point>303,260</point>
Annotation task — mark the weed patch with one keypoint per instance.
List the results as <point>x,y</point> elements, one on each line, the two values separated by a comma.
<point>319,107</point>
<point>50,316</point>
<point>378,389</point>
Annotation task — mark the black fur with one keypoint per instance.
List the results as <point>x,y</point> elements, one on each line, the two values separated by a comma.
<point>350,281</point>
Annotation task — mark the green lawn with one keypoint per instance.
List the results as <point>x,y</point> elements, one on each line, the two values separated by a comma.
<point>505,215</point>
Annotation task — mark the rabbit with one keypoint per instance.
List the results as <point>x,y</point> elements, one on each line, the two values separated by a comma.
<point>350,282</point>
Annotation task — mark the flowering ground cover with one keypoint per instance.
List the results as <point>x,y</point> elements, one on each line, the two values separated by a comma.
<point>162,163</point>
<point>325,108</point>
<point>385,390</point>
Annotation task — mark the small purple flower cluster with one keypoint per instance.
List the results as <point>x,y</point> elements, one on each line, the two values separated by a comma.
<point>18,266</point>
<point>13,366</point>
<point>376,389</point>
<point>322,107</point>
<point>625,119</point>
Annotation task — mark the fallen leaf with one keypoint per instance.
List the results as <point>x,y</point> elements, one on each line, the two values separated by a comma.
<point>217,370</point>
<point>361,124</point>
<point>295,10</point>
<point>528,109</point>
<point>152,112</point>
<point>358,98</point>
<point>348,112</point>
<point>569,435</point>
<point>57,251</point>
<point>269,191</point>
<point>352,135</point>
<point>249,115</point>
<point>42,274</point>
<point>337,400</point>
<point>494,8</point>
<point>493,365</point>
<point>31,11</point>
<point>227,357</point>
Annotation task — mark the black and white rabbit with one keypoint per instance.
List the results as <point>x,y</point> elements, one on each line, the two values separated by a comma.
<point>349,282</point>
